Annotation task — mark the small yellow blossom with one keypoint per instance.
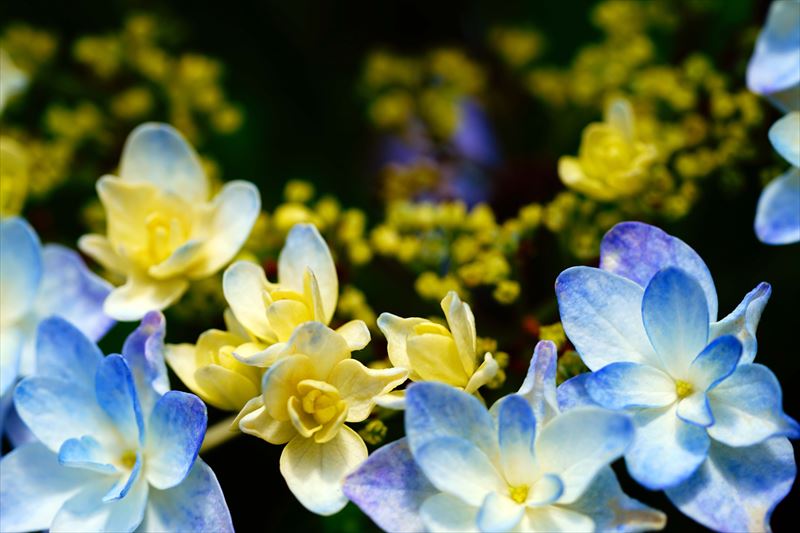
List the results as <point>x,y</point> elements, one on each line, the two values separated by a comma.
<point>13,80</point>
<point>506,292</point>
<point>13,176</point>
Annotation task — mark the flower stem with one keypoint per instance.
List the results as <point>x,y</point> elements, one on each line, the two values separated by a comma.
<point>219,433</point>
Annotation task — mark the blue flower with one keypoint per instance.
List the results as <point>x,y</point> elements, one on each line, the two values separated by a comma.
<point>709,423</point>
<point>37,282</point>
<point>523,466</point>
<point>774,68</point>
<point>117,450</point>
<point>778,212</point>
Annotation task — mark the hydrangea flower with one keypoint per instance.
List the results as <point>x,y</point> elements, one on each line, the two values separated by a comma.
<point>117,450</point>
<point>710,426</point>
<point>308,395</point>
<point>612,162</point>
<point>774,68</point>
<point>162,230</point>
<point>778,212</point>
<point>37,282</point>
<point>527,468</point>
<point>432,352</point>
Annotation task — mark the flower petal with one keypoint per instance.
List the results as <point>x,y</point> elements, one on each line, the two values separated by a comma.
<point>778,211</point>
<point>578,443</point>
<point>675,315</point>
<point>499,513</point>
<point>666,450</point>
<point>390,488</point>
<point>572,393</point>
<point>254,419</point>
<point>20,268</point>
<point>396,331</point>
<point>314,472</point>
<point>462,326</point>
<point>143,350</point>
<point>736,489</point>
<point>715,363</point>
<point>359,385</point>
<point>516,434</point>
<point>280,384</point>
<point>446,513</point>
<point>64,353</point>
<point>322,345</point>
<point>356,333</point>
<point>224,388</point>
<point>305,248</point>
<point>234,211</point>
<point>775,64</point>
<point>624,385</point>
<point>175,431</point>
<point>142,294</point>
<point>12,345</point>
<point>159,154</point>
<point>244,284</point>
<point>435,410</point>
<point>695,409</point>
<point>785,137</point>
<point>99,248</point>
<point>747,408</point>
<point>69,289</point>
<point>34,486</point>
<point>601,314</point>
<point>195,504</point>
<point>743,321</point>
<point>116,395</point>
<point>86,452</point>
<point>554,519</point>
<point>539,387</point>
<point>483,374</point>
<point>637,251</point>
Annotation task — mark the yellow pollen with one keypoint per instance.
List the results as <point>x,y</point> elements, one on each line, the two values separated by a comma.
<point>128,459</point>
<point>683,389</point>
<point>518,494</point>
<point>321,405</point>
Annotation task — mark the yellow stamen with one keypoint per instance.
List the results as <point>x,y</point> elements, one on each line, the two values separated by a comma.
<point>683,388</point>
<point>518,494</point>
<point>128,459</point>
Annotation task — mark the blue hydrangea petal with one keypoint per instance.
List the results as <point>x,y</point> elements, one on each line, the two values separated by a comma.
<point>435,410</point>
<point>785,137</point>
<point>775,64</point>
<point>675,316</point>
<point>390,488</point>
<point>34,486</point>
<point>175,431</point>
<point>56,411</point>
<point>578,443</point>
<point>743,321</point>
<point>572,393</point>
<point>144,352</point>
<point>695,409</point>
<point>716,362</point>
<point>86,511</point>
<point>499,513</point>
<point>637,251</point>
<point>72,291</point>
<point>20,268</point>
<point>446,513</point>
<point>736,489</point>
<point>539,387</point>
<point>778,212</point>
<point>116,395</point>
<point>623,385</point>
<point>666,450</point>
<point>12,344</point>
<point>64,353</point>
<point>86,452</point>
<point>747,408</point>
<point>195,504</point>
<point>516,435</point>
<point>125,482</point>
<point>601,314</point>
<point>556,518</point>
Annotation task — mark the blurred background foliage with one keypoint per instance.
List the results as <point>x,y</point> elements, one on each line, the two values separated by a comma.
<point>437,145</point>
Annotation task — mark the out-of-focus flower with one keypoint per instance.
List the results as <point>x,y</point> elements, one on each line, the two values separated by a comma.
<point>162,230</point>
<point>37,282</point>
<point>432,352</point>
<point>774,68</point>
<point>307,396</point>
<point>528,468</point>
<point>778,213</point>
<point>710,426</point>
<point>13,176</point>
<point>13,80</point>
<point>117,449</point>
<point>612,162</point>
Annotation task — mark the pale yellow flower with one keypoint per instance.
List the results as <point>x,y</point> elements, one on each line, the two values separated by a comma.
<point>13,80</point>
<point>162,229</point>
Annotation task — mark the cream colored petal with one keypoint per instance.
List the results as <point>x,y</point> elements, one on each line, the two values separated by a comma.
<point>332,428</point>
<point>180,262</point>
<point>285,315</point>
<point>359,386</point>
<point>303,422</point>
<point>244,284</point>
<point>226,389</point>
<point>305,248</point>
<point>314,472</point>
<point>356,333</point>
<point>127,206</point>
<point>322,345</point>
<point>435,358</point>
<point>312,294</point>
<point>280,383</point>
<point>234,326</point>
<point>396,330</point>
<point>141,294</point>
<point>462,327</point>
<point>182,358</point>
<point>485,373</point>
<point>99,248</point>
<point>619,114</point>
<point>395,400</point>
<point>254,354</point>
<point>255,420</point>
<point>209,343</point>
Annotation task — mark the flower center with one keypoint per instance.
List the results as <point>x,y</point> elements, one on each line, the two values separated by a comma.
<point>165,235</point>
<point>128,459</point>
<point>683,388</point>
<point>321,405</point>
<point>519,494</point>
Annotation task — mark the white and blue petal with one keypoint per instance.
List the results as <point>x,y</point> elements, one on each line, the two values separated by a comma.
<point>736,489</point>
<point>715,363</point>
<point>125,482</point>
<point>499,513</point>
<point>435,410</point>
<point>72,291</point>
<point>747,408</point>
<point>676,318</point>
<point>445,513</point>
<point>64,353</point>
<point>572,393</point>
<point>695,409</point>
<point>554,518</point>
<point>666,450</point>
<point>20,268</point>
<point>34,486</point>
<point>578,443</point>
<point>778,211</point>
<point>144,352</point>
<point>175,431</point>
<point>12,345</point>
<point>86,452</point>
<point>637,251</point>
<point>195,504</point>
<point>625,385</point>
<point>390,488</point>
<point>116,395</point>
<point>516,435</point>
<point>743,321</point>
<point>601,314</point>
<point>539,387</point>
<point>785,137</point>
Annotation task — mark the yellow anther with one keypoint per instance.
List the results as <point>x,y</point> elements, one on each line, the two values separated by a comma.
<point>128,459</point>
<point>683,388</point>
<point>518,494</point>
